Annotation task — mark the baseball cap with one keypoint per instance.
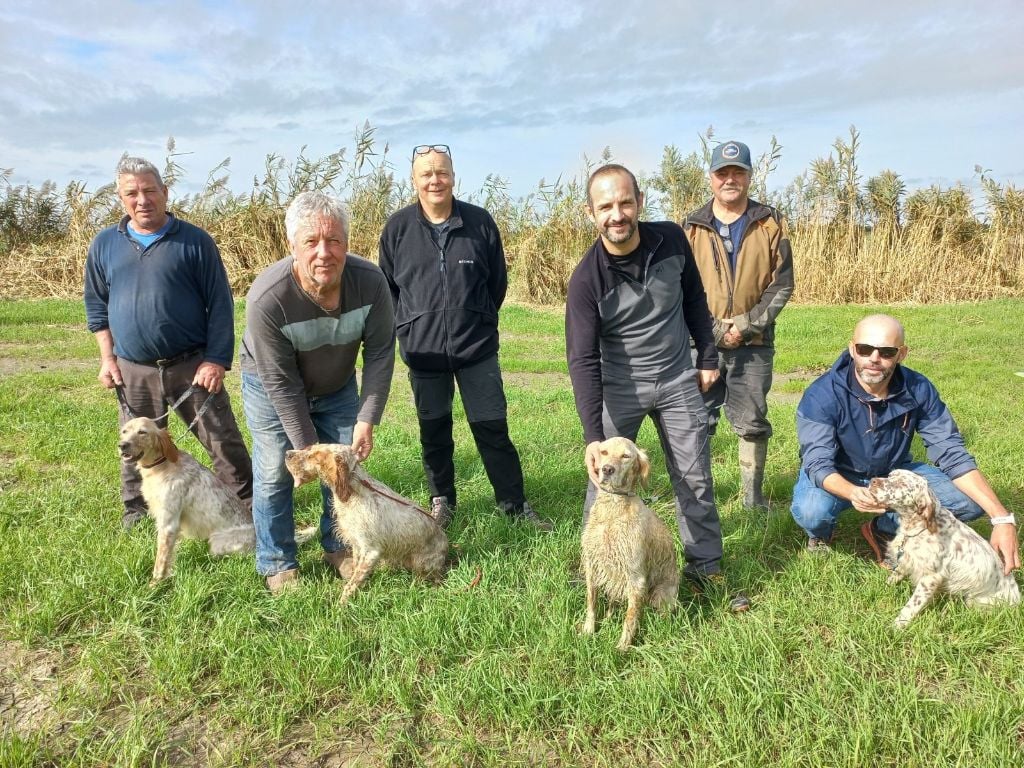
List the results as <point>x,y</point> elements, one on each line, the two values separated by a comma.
<point>731,153</point>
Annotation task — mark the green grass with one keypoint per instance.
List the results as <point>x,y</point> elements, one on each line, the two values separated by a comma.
<point>209,669</point>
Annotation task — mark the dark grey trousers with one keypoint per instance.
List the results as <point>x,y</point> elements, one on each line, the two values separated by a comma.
<point>150,390</point>
<point>679,415</point>
<point>742,388</point>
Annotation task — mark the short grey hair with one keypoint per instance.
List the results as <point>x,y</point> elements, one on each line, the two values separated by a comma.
<point>135,166</point>
<point>312,205</point>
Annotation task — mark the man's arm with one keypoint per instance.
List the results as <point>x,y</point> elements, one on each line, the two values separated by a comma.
<point>583,353</point>
<point>775,296</point>
<point>275,362</point>
<point>696,312</point>
<point>378,368</point>
<point>1004,536</point>
<point>497,279</point>
<point>110,372</point>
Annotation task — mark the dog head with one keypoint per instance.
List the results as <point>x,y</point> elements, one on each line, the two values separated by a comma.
<point>142,441</point>
<point>330,462</point>
<point>621,465</point>
<point>907,494</point>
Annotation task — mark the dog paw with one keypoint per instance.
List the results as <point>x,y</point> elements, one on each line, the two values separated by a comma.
<point>154,583</point>
<point>900,624</point>
<point>623,647</point>
<point>587,628</point>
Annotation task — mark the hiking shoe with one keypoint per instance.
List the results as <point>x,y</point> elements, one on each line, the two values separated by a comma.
<point>442,511</point>
<point>878,541</point>
<point>707,584</point>
<point>525,513</point>
<point>341,562</point>
<point>818,546</point>
<point>134,511</point>
<point>283,580</point>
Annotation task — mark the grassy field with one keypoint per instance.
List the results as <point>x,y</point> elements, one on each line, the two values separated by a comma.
<point>96,668</point>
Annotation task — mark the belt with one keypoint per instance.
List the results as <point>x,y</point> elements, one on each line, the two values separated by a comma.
<point>166,362</point>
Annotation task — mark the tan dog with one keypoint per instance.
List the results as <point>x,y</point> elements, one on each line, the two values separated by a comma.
<point>937,551</point>
<point>372,519</point>
<point>184,497</point>
<point>627,550</point>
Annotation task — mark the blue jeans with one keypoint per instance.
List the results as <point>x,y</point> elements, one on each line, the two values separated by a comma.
<point>816,510</point>
<point>273,511</point>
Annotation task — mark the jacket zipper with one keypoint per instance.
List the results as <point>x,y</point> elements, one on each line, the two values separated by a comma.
<point>444,305</point>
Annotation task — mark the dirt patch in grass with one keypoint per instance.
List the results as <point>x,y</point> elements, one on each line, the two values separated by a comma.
<point>10,366</point>
<point>28,688</point>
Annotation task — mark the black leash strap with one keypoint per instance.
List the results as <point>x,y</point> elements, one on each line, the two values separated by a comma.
<point>119,389</point>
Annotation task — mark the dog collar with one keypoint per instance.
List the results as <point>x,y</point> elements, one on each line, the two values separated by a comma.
<point>158,462</point>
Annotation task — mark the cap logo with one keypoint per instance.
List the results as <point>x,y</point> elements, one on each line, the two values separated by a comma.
<point>730,151</point>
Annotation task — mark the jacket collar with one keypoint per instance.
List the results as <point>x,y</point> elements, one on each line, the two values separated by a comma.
<point>454,221</point>
<point>175,223</point>
<point>704,216</point>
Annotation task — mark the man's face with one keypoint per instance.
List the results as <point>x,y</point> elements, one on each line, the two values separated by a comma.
<point>319,249</point>
<point>433,178</point>
<point>144,199</point>
<point>730,185</point>
<point>614,208</point>
<point>873,369</point>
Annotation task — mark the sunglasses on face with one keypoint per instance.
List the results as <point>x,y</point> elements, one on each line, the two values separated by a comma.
<point>724,232</point>
<point>866,350</point>
<point>426,149</point>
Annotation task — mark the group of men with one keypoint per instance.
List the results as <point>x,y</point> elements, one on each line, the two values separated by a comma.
<point>662,320</point>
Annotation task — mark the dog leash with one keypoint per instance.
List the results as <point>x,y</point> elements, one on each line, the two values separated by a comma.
<point>119,389</point>
<point>478,576</point>
<point>395,499</point>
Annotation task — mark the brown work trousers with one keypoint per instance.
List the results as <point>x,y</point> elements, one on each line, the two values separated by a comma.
<point>150,389</point>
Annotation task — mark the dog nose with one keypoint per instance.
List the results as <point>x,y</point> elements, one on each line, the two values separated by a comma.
<point>123,444</point>
<point>607,470</point>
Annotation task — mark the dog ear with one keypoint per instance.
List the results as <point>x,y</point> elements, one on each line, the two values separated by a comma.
<point>340,475</point>
<point>644,467</point>
<point>927,507</point>
<point>167,446</point>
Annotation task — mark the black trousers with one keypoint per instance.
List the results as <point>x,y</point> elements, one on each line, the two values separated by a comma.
<point>483,397</point>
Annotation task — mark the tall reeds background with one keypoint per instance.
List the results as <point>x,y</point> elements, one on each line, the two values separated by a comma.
<point>855,239</point>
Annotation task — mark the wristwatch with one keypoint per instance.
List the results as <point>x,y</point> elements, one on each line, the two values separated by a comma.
<point>1004,520</point>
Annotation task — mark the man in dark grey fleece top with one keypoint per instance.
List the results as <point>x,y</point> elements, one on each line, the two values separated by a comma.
<point>633,304</point>
<point>306,318</point>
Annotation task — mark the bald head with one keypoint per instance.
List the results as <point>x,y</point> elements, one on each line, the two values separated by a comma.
<point>879,331</point>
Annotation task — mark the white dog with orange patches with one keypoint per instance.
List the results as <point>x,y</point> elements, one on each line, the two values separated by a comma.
<point>184,497</point>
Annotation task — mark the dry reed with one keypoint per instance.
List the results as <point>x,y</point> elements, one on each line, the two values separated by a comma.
<point>854,241</point>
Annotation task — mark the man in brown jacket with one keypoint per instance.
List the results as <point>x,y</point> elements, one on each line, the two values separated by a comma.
<point>742,251</point>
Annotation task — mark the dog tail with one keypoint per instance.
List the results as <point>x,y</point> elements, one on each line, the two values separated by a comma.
<point>302,535</point>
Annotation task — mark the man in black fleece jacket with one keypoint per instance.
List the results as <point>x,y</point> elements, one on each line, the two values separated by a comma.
<point>444,262</point>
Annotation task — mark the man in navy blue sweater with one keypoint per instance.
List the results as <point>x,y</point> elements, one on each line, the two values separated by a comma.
<point>158,300</point>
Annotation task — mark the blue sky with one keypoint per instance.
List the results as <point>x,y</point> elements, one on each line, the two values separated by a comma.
<point>524,90</point>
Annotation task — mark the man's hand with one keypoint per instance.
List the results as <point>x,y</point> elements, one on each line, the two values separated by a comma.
<point>731,338</point>
<point>705,378</point>
<point>110,373</point>
<point>209,376</point>
<point>362,439</point>
<point>864,501</point>
<point>593,457</point>
<point>1004,542</point>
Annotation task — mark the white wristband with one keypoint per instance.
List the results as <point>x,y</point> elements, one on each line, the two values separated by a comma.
<point>1004,520</point>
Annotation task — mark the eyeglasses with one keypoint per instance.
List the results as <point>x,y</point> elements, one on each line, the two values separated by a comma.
<point>724,232</point>
<point>426,149</point>
<point>866,350</point>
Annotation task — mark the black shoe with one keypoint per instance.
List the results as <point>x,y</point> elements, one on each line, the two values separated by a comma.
<point>133,512</point>
<point>711,584</point>
<point>526,514</point>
